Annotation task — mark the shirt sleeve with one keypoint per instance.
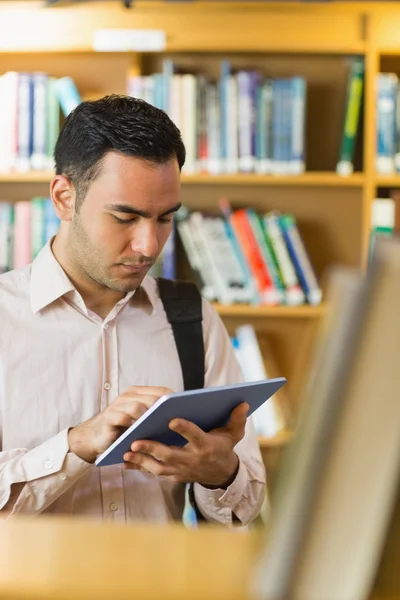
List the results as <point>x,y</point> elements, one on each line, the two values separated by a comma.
<point>40,475</point>
<point>245,496</point>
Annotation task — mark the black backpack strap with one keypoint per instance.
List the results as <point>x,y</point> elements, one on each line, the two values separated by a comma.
<point>182,303</point>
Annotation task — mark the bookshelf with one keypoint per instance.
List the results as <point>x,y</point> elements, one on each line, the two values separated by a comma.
<point>314,40</point>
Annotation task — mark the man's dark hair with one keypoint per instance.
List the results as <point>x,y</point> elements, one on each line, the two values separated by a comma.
<point>113,124</point>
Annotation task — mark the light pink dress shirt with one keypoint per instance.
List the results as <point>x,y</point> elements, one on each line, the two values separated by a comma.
<point>60,364</point>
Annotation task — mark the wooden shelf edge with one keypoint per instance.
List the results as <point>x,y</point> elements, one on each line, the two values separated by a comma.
<point>280,439</point>
<point>387,180</point>
<point>292,312</point>
<point>307,179</point>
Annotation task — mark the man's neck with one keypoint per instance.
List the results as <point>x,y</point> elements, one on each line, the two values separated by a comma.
<point>97,298</point>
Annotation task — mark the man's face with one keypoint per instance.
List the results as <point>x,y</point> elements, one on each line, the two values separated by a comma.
<point>124,220</point>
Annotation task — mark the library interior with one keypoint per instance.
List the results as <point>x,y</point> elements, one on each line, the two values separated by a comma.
<point>281,226</point>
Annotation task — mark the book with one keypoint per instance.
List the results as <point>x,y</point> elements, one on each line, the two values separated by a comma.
<point>336,491</point>
<point>355,86</point>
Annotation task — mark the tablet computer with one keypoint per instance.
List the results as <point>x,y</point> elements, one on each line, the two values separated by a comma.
<point>209,408</point>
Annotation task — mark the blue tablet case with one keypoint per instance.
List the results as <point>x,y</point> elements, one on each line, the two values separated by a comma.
<point>209,408</point>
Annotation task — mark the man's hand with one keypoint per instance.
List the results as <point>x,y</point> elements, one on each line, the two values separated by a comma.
<point>207,458</point>
<point>91,438</point>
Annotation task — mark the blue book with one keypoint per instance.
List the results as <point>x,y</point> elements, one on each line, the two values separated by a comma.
<point>300,259</point>
<point>67,94</point>
<point>386,122</point>
<point>51,221</point>
<point>168,269</point>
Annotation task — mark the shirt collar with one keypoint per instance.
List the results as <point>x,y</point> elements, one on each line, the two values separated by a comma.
<point>49,282</point>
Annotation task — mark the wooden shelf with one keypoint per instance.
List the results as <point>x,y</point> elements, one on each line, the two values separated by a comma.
<point>387,180</point>
<point>280,439</point>
<point>28,177</point>
<point>307,179</point>
<point>291,312</point>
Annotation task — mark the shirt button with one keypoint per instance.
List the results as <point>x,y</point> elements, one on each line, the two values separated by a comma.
<point>63,476</point>
<point>107,386</point>
<point>105,326</point>
<point>113,507</point>
<point>48,464</point>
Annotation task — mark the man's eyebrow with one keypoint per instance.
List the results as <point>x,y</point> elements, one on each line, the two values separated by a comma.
<point>130,210</point>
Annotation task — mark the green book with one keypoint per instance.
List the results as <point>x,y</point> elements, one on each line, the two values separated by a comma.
<point>355,86</point>
<point>37,226</point>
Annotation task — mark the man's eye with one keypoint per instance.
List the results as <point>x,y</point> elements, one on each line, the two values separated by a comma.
<point>123,220</point>
<point>169,220</point>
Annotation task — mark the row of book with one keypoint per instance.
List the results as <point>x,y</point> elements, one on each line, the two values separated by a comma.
<point>243,122</point>
<point>241,256</point>
<point>31,105</point>
<point>237,257</point>
<point>388,124</point>
<point>25,227</point>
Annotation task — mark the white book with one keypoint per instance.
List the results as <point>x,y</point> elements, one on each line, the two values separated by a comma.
<point>268,420</point>
<point>189,123</point>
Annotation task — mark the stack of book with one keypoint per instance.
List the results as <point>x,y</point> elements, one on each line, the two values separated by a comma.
<point>242,122</point>
<point>31,106</point>
<point>243,257</point>
<point>25,227</point>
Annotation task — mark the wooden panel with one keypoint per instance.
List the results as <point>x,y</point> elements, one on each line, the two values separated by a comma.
<point>330,219</point>
<point>212,26</point>
<point>386,30</point>
<point>94,74</point>
<point>326,78</point>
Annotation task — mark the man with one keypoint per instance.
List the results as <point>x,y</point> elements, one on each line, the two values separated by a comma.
<point>86,346</point>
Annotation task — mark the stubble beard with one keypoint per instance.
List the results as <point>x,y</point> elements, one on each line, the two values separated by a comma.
<point>91,265</point>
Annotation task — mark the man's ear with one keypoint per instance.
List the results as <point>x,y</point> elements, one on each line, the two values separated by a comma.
<point>63,195</point>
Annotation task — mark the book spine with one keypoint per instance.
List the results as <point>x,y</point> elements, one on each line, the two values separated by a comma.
<point>39,155</point>
<point>51,221</point>
<point>298,92</point>
<point>225,69</point>
<point>229,266</point>
<point>212,259</point>
<point>214,166</point>
<point>267,255</point>
<point>246,162</point>
<point>193,254</point>
<point>189,123</point>
<point>272,228</point>
<point>301,260</point>
<point>67,94</point>
<point>232,161</point>
<point>6,221</point>
<point>386,122</point>
<point>267,419</point>
<point>246,238</point>
<point>345,165</point>
<point>37,226</point>
<point>52,122</point>
<point>168,261</point>
<point>24,124</point>
<point>22,234</point>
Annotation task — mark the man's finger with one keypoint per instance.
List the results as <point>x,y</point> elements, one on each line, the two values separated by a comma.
<point>149,464</point>
<point>161,452</point>
<point>191,432</point>
<point>237,422</point>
